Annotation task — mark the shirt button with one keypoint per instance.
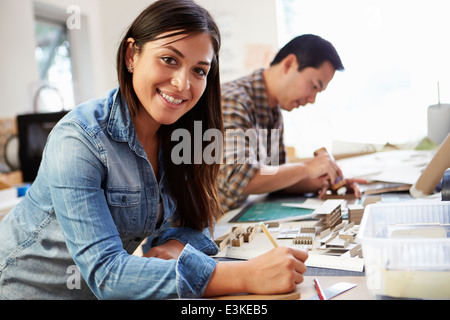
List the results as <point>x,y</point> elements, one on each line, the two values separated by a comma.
<point>124,198</point>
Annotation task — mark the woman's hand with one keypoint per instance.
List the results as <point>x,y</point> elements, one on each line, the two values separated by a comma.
<point>278,271</point>
<point>169,250</point>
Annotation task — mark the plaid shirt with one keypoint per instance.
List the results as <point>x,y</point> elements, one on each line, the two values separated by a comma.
<point>245,106</point>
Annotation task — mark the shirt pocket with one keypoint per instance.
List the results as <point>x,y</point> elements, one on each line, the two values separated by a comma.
<point>123,197</point>
<point>124,204</point>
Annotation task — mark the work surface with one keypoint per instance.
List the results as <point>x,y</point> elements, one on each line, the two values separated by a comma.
<point>326,276</point>
<point>306,290</point>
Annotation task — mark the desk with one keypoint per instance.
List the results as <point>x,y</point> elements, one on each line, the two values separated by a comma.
<point>360,292</point>
<point>306,289</point>
<point>327,277</point>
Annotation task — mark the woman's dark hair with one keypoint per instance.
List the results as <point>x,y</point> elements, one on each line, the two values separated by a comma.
<point>193,186</point>
<point>311,51</point>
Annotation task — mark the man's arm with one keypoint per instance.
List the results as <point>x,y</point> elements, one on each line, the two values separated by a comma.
<point>308,176</point>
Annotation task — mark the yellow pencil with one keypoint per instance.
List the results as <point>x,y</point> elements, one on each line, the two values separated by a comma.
<point>264,229</point>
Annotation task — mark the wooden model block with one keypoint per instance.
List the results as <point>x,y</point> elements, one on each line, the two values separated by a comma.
<point>303,239</point>
<point>329,213</point>
<point>308,229</point>
<point>249,234</point>
<point>223,241</point>
<point>355,213</point>
<point>356,251</point>
<point>239,235</point>
<point>237,241</point>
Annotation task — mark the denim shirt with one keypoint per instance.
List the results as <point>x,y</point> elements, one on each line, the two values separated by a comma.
<point>95,199</point>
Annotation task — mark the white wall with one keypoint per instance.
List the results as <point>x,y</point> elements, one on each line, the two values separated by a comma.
<point>116,16</point>
<point>248,27</point>
<point>249,34</point>
<point>17,64</point>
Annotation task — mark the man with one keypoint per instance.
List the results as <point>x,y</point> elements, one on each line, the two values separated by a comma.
<point>251,109</point>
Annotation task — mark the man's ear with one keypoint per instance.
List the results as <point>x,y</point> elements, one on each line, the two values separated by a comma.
<point>289,62</point>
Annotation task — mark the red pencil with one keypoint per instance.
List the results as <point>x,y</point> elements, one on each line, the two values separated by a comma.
<point>319,290</point>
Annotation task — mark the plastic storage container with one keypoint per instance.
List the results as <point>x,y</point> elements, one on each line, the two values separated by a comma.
<point>406,248</point>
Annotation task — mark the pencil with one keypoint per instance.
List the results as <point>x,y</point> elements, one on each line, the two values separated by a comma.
<point>319,290</point>
<point>264,229</point>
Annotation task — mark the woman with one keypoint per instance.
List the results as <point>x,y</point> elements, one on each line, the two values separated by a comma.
<point>107,181</point>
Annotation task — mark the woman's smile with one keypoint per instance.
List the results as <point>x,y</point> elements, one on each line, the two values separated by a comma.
<point>172,100</point>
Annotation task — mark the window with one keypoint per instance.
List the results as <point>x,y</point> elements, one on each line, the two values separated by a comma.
<point>394,52</point>
<point>52,53</point>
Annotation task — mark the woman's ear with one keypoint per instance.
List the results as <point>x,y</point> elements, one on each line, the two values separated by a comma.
<point>130,54</point>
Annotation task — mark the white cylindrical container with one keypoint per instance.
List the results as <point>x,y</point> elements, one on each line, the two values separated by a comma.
<point>438,122</point>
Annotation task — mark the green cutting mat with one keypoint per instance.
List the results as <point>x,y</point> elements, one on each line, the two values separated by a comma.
<point>267,211</point>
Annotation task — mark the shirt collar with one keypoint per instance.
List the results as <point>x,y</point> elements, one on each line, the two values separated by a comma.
<point>121,127</point>
<point>120,124</point>
<point>263,100</point>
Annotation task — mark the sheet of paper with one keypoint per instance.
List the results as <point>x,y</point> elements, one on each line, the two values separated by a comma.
<point>400,166</point>
<point>335,262</point>
<point>310,203</point>
<point>335,290</point>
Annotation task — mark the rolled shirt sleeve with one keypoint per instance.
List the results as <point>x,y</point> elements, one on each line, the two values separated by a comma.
<point>194,270</point>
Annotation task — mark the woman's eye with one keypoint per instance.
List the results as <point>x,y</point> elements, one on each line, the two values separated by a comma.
<point>169,60</point>
<point>201,72</point>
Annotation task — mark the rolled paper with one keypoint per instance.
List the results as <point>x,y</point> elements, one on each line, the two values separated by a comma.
<point>433,173</point>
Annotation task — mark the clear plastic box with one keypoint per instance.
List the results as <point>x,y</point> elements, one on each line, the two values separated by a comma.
<point>406,248</point>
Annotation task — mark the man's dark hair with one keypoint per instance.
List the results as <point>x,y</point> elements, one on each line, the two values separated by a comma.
<point>311,51</point>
